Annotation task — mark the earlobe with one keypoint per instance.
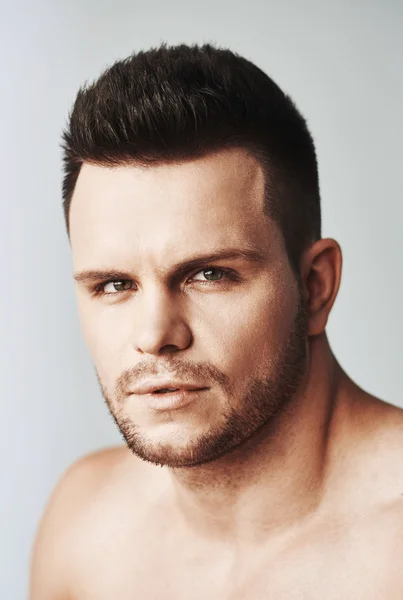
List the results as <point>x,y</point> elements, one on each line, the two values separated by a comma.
<point>322,276</point>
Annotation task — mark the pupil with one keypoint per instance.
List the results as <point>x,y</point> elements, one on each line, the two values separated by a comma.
<point>217,271</point>
<point>122,284</point>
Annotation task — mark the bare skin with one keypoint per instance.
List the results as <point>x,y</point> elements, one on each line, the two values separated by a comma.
<point>307,506</point>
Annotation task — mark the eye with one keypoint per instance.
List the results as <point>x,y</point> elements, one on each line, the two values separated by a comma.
<point>100,289</point>
<point>212,274</point>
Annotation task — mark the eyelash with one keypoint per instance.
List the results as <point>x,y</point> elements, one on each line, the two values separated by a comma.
<point>229,275</point>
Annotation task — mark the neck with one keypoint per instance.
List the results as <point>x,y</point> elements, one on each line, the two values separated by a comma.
<point>275,479</point>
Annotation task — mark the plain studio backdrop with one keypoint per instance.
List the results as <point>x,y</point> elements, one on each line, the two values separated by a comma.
<point>340,62</point>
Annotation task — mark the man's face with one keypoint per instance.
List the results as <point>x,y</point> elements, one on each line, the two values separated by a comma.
<point>233,325</point>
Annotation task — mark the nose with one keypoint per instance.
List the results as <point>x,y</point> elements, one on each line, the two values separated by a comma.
<point>161,326</point>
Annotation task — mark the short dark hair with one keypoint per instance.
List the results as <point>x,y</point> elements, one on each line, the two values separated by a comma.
<point>175,103</point>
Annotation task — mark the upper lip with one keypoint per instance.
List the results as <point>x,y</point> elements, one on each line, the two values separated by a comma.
<point>149,386</point>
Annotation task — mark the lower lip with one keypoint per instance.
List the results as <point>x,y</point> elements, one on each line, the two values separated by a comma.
<point>171,400</point>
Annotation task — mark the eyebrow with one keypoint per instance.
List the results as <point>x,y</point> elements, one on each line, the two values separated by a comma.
<point>250,255</point>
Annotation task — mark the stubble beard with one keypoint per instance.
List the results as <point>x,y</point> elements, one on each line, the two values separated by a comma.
<point>264,400</point>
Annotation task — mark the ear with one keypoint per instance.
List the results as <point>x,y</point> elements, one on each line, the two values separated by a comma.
<point>320,268</point>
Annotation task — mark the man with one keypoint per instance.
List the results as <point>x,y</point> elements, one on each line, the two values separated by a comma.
<point>253,466</point>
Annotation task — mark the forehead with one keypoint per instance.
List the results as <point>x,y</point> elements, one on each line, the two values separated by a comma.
<point>167,211</point>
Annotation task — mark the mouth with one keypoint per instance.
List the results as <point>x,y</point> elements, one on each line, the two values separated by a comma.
<point>171,398</point>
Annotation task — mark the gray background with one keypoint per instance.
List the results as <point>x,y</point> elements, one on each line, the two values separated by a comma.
<point>340,61</point>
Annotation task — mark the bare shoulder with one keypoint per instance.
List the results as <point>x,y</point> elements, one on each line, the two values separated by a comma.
<point>77,489</point>
<point>377,445</point>
<point>83,479</point>
<point>382,484</point>
<point>380,422</point>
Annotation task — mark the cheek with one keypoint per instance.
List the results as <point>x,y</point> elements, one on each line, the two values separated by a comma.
<point>101,338</point>
<point>249,332</point>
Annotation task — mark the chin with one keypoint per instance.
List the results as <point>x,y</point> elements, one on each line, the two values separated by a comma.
<point>175,449</point>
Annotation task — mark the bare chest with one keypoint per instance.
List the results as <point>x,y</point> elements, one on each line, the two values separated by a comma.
<point>164,570</point>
